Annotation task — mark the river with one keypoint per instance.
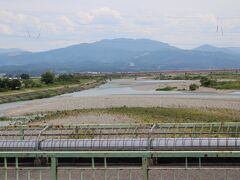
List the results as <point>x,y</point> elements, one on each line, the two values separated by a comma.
<point>117,88</point>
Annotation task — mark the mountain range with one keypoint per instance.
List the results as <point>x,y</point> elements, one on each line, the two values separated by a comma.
<point>118,55</point>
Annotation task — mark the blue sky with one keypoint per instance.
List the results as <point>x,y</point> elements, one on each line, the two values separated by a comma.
<point>48,24</point>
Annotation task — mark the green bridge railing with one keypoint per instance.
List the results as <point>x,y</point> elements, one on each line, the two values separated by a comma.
<point>13,170</point>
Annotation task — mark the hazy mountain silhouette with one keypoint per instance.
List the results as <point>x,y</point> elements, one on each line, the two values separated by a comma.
<point>121,55</point>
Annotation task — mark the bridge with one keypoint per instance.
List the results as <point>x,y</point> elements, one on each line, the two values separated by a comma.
<point>120,151</point>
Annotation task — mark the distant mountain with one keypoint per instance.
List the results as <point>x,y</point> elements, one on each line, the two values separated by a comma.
<point>120,55</point>
<point>234,49</point>
<point>209,48</point>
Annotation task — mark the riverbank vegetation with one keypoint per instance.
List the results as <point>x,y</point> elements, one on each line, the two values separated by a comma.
<point>230,84</point>
<point>167,88</point>
<point>193,87</point>
<point>47,85</point>
<point>197,76</point>
<point>155,114</point>
<point>216,80</point>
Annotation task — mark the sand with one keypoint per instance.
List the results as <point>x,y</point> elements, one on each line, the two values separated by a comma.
<point>70,103</point>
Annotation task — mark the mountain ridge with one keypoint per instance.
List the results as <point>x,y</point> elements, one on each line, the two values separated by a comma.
<point>114,55</point>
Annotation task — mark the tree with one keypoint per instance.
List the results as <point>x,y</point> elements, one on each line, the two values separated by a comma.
<point>48,77</point>
<point>206,82</point>
<point>4,83</point>
<point>24,76</point>
<point>14,84</point>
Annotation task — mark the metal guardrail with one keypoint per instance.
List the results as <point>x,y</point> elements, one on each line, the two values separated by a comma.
<point>107,131</point>
<point>145,170</point>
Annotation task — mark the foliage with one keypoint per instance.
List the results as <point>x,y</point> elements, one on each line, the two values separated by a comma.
<point>206,82</point>
<point>68,78</point>
<point>24,76</point>
<point>10,84</point>
<point>48,77</point>
<point>193,87</point>
<point>14,84</point>
<point>185,76</point>
<point>29,83</point>
<point>4,118</point>
<point>167,88</point>
<point>226,85</point>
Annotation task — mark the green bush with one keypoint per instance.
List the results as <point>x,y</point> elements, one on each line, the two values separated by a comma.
<point>24,76</point>
<point>206,82</point>
<point>193,87</point>
<point>48,77</point>
<point>167,88</point>
<point>12,84</point>
<point>67,79</point>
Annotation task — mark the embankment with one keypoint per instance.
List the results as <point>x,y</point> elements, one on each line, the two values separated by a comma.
<point>49,92</point>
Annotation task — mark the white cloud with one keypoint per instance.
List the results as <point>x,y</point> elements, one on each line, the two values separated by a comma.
<point>106,12</point>
<point>94,23</point>
<point>103,15</point>
<point>84,17</point>
<point>18,18</point>
<point>68,23</point>
<point>5,29</point>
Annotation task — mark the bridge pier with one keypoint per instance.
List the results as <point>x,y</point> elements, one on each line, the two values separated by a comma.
<point>54,175</point>
<point>145,168</point>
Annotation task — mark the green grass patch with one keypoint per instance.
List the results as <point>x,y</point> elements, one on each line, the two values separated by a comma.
<point>198,76</point>
<point>226,85</point>
<point>158,114</point>
<point>5,118</point>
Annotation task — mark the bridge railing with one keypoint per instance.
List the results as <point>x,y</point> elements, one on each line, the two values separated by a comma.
<point>150,166</point>
<point>87,131</point>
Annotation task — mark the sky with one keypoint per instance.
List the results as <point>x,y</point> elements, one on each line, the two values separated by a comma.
<point>48,24</point>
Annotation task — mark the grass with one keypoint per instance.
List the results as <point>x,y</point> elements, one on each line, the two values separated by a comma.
<point>226,85</point>
<point>167,88</point>
<point>5,118</point>
<point>197,76</point>
<point>158,114</point>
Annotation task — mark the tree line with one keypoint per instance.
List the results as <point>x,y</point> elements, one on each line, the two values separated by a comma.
<point>25,81</point>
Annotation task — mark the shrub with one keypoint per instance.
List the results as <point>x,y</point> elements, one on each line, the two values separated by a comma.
<point>67,78</point>
<point>206,82</point>
<point>24,76</point>
<point>193,87</point>
<point>14,84</point>
<point>168,88</point>
<point>48,77</point>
